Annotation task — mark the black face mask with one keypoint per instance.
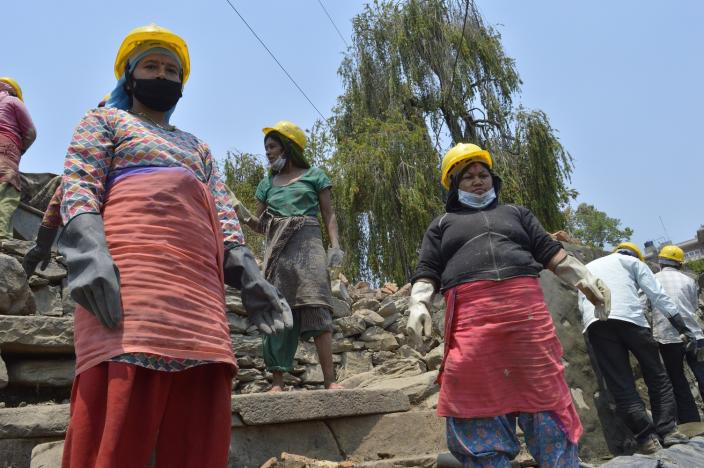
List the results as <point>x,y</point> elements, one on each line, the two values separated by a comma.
<point>157,94</point>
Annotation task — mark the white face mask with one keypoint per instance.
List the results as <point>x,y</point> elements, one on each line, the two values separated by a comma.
<point>279,164</point>
<point>473,200</point>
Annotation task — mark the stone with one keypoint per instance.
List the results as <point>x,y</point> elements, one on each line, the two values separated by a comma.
<point>370,317</point>
<point>408,352</point>
<point>342,345</point>
<point>256,386</point>
<point>33,421</point>
<point>249,375</point>
<point>401,367</point>
<point>233,303</point>
<point>366,304</point>
<point>271,408</point>
<point>380,357</point>
<point>339,291</point>
<point>243,344</point>
<point>433,358</point>
<point>47,455</point>
<point>390,435</point>
<point>391,288</point>
<point>306,353</point>
<point>237,323</point>
<point>390,320</point>
<point>53,272</point>
<point>17,453</point>
<point>17,247</point>
<point>691,429</point>
<point>48,301</point>
<point>340,308</point>
<point>245,362</point>
<point>254,446</point>
<point>416,388</point>
<point>387,308</point>
<point>36,334</point>
<point>374,334</point>
<point>37,282</point>
<point>15,295</point>
<point>350,326</point>
<point>42,373</point>
<point>313,375</point>
<point>353,363</point>
<point>4,378</point>
<point>68,305</point>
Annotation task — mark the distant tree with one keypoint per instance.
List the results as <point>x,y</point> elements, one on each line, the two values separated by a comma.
<point>420,76</point>
<point>594,227</point>
<point>242,172</point>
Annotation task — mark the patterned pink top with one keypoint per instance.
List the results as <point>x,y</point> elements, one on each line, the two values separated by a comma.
<point>109,139</point>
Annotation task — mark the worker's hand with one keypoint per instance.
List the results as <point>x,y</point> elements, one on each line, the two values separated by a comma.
<point>41,252</point>
<point>335,257</point>
<point>420,322</point>
<point>264,304</point>
<point>598,294</point>
<point>93,277</point>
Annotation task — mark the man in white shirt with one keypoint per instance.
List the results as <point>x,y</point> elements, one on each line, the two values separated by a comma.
<point>684,292</point>
<point>627,330</point>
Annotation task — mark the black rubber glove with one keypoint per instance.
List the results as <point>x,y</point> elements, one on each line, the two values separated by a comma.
<point>265,306</point>
<point>41,252</point>
<point>93,277</point>
<point>686,335</point>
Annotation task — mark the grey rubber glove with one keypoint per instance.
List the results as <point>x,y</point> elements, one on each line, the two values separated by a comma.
<point>335,257</point>
<point>41,252</point>
<point>265,305</point>
<point>419,321</point>
<point>573,272</point>
<point>93,277</point>
<point>686,335</point>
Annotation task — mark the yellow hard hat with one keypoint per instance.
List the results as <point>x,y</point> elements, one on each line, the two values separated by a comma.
<point>14,84</point>
<point>458,157</point>
<point>632,247</point>
<point>290,130</point>
<point>161,37</point>
<point>672,252</point>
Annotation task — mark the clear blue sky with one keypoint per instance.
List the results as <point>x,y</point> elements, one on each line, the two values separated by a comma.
<point>620,81</point>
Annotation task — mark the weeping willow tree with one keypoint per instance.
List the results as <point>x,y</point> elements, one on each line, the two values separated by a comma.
<point>420,76</point>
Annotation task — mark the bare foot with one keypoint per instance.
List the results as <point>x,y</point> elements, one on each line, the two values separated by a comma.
<point>334,386</point>
<point>276,389</point>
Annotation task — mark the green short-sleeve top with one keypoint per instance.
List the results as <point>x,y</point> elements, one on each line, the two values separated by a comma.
<point>299,198</point>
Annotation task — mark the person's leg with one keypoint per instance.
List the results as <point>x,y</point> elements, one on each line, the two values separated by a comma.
<point>9,201</point>
<point>195,429</point>
<point>116,409</point>
<point>483,442</point>
<point>673,358</point>
<point>323,345</point>
<point>641,343</point>
<point>612,357</point>
<point>279,350</point>
<point>697,369</point>
<point>546,440</point>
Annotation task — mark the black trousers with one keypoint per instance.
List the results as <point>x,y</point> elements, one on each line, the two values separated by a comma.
<point>611,341</point>
<point>673,357</point>
<point>697,369</point>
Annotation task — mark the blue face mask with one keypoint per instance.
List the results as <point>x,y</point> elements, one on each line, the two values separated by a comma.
<point>473,200</point>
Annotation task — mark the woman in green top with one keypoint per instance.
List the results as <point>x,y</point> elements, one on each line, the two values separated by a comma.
<point>289,200</point>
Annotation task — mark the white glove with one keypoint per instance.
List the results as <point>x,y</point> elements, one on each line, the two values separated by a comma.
<point>573,272</point>
<point>419,321</point>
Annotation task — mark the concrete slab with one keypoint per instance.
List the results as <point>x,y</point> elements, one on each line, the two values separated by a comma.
<point>271,408</point>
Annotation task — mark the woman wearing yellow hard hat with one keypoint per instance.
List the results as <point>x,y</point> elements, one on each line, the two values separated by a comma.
<point>502,360</point>
<point>17,133</point>
<point>149,235</point>
<point>289,201</point>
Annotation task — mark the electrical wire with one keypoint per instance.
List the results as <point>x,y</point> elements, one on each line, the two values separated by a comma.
<point>333,23</point>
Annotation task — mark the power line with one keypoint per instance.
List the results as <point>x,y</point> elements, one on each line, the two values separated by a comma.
<point>277,61</point>
<point>333,23</point>
<point>459,45</point>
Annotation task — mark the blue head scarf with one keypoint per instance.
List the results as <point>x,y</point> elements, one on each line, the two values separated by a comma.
<point>119,97</point>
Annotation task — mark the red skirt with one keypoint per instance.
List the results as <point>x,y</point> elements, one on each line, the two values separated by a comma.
<point>502,354</point>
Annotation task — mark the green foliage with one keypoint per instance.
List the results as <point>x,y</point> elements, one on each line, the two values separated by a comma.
<point>696,266</point>
<point>594,227</point>
<point>418,79</point>
<point>242,173</point>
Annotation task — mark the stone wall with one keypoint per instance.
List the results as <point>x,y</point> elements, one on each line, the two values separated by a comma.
<point>371,349</point>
